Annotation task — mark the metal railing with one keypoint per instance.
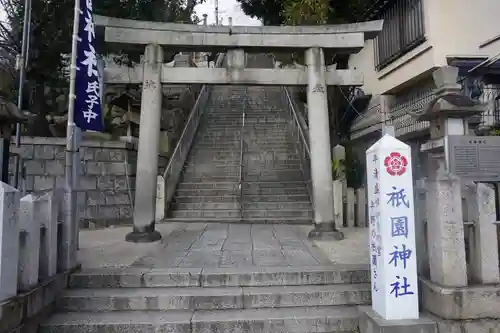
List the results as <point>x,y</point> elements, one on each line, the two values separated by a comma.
<point>176,163</point>
<point>302,141</point>
<point>242,149</point>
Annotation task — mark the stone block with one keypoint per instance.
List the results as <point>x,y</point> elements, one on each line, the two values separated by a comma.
<point>9,240</point>
<point>371,322</point>
<point>96,198</point>
<point>105,183</point>
<point>116,198</point>
<point>34,167</point>
<point>29,255</point>
<point>117,155</point>
<point>43,152</point>
<point>101,155</point>
<point>461,303</point>
<point>59,152</point>
<point>55,167</point>
<point>42,183</point>
<point>88,183</point>
<point>87,153</point>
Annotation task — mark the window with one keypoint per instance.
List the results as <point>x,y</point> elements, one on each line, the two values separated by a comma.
<point>403,30</point>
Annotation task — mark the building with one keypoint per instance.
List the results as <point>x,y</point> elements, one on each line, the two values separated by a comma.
<point>418,37</point>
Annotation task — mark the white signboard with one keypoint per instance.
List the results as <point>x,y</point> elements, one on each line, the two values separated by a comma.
<point>392,230</point>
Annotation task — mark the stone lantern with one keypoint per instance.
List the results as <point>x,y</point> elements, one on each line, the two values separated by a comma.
<point>9,116</point>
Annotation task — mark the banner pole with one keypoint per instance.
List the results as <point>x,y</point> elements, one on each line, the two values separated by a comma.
<point>71,228</point>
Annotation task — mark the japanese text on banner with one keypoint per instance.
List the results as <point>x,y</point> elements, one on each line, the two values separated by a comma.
<point>88,111</point>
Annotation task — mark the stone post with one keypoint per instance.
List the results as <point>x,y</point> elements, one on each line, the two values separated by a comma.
<point>236,59</point>
<point>149,144</point>
<point>447,114</point>
<point>319,139</point>
<point>48,215</point>
<point>9,240</point>
<point>484,254</point>
<point>339,185</point>
<point>29,256</point>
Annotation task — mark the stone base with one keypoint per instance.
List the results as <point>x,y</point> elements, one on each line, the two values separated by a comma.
<point>143,237</point>
<point>461,303</point>
<point>325,231</point>
<point>371,322</point>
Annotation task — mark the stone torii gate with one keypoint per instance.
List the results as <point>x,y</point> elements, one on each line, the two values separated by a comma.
<point>314,41</point>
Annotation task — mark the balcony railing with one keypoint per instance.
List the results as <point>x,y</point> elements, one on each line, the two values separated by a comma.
<point>403,30</point>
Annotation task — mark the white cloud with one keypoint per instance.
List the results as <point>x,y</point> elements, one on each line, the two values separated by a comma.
<point>227,8</point>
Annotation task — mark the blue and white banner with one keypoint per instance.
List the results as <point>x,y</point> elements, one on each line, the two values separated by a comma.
<point>88,110</point>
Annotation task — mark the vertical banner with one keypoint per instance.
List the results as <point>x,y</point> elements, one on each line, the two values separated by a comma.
<point>392,230</point>
<point>88,110</point>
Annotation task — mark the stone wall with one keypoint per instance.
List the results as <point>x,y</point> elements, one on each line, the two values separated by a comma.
<point>107,176</point>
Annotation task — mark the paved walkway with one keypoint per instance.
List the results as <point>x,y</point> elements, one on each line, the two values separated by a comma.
<point>214,245</point>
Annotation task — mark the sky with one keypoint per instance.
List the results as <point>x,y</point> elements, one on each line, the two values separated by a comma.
<point>226,8</point>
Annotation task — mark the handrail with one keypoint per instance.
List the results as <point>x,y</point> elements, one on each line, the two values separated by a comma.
<point>303,143</point>
<point>242,134</point>
<point>176,163</point>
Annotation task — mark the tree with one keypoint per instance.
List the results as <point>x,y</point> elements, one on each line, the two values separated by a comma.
<point>313,12</point>
<point>297,12</point>
<point>50,40</point>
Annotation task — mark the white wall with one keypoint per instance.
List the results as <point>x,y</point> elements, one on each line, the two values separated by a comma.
<point>452,27</point>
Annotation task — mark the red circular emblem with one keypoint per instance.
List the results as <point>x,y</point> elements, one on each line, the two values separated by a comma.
<point>395,164</point>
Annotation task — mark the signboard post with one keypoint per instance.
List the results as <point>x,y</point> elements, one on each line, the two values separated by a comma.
<point>392,230</point>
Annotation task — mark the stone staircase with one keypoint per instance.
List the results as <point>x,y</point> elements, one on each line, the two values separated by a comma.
<point>223,300</point>
<point>273,188</point>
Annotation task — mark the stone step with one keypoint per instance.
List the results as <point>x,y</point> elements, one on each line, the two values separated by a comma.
<point>193,298</point>
<point>286,191</point>
<point>273,185</point>
<point>254,220</point>
<point>275,191</point>
<point>326,319</point>
<point>246,199</point>
<point>138,277</point>
<point>246,173</point>
<point>216,149</point>
<point>247,214</point>
<point>236,144</point>
<point>235,205</point>
<point>202,205</point>
<point>210,178</point>
<point>248,121</point>
<point>248,164</point>
<point>207,185</point>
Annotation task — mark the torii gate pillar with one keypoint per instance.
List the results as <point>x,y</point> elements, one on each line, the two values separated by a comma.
<point>319,139</point>
<point>149,144</point>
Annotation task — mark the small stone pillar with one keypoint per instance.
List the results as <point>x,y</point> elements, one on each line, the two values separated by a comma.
<point>319,139</point>
<point>236,59</point>
<point>149,144</point>
<point>339,185</point>
<point>447,114</point>
<point>484,257</point>
<point>9,240</point>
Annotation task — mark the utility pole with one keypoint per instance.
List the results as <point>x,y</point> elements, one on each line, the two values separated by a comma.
<point>216,12</point>
<point>22,63</point>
